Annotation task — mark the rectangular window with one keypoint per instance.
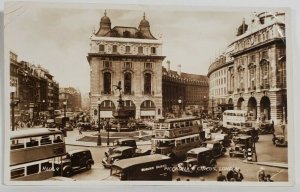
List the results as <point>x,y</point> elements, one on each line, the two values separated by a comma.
<point>47,166</point>
<point>153,50</point>
<point>140,50</point>
<point>106,64</point>
<point>101,48</point>
<point>127,49</point>
<point>252,59</point>
<point>15,173</point>
<point>128,65</point>
<point>32,169</point>
<point>115,48</point>
<point>148,65</point>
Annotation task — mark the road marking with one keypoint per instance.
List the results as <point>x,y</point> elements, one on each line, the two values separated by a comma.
<point>280,171</point>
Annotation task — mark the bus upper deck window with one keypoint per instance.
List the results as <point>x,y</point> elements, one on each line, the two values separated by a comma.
<point>19,172</point>
<point>187,124</point>
<point>17,144</point>
<point>171,125</point>
<point>45,140</point>
<point>58,139</point>
<point>32,142</point>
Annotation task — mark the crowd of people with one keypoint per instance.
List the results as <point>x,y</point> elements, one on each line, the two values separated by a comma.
<point>236,175</point>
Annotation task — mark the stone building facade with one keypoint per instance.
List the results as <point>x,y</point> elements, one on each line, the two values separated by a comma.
<point>256,80</point>
<point>36,90</point>
<point>184,91</point>
<point>132,56</point>
<point>72,96</point>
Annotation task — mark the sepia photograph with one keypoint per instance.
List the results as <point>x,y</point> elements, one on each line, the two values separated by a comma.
<point>138,93</point>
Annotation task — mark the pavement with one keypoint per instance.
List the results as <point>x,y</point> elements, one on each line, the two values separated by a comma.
<point>89,139</point>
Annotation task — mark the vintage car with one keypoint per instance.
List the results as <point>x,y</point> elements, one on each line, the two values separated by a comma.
<point>129,142</point>
<point>279,140</point>
<point>74,160</point>
<point>140,126</point>
<point>266,128</point>
<point>216,146</point>
<point>119,153</point>
<point>247,131</point>
<point>230,131</point>
<point>241,146</point>
<point>50,123</point>
<point>223,139</point>
<point>198,160</point>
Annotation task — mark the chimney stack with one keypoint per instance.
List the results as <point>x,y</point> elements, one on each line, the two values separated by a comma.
<point>244,26</point>
<point>179,69</point>
<point>168,65</point>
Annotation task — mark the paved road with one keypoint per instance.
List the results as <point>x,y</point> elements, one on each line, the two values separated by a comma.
<point>265,149</point>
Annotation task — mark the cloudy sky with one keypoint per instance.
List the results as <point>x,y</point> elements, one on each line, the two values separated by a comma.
<point>56,36</point>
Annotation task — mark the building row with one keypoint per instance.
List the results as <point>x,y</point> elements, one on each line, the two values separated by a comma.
<point>251,74</point>
<point>35,90</point>
<point>133,56</point>
<point>184,92</point>
<point>72,98</point>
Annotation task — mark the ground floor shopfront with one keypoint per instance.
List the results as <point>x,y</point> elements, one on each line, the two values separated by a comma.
<point>263,105</point>
<point>137,108</point>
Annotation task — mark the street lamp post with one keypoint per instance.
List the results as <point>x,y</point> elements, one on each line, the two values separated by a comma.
<point>64,119</point>
<point>179,101</point>
<point>99,125</point>
<point>108,128</point>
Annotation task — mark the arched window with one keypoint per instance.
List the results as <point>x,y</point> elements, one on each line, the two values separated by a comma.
<point>127,83</point>
<point>147,83</point>
<point>107,82</point>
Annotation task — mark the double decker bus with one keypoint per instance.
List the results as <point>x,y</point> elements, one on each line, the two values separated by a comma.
<point>174,137</point>
<point>236,118</point>
<point>33,153</point>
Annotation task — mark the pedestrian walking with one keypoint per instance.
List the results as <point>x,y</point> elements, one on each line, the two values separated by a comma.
<point>221,177</point>
<point>231,174</point>
<point>261,176</point>
<point>80,130</point>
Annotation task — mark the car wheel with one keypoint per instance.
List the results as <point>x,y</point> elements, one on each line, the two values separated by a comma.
<point>67,172</point>
<point>88,166</point>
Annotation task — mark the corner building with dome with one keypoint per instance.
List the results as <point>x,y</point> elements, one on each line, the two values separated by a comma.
<point>251,74</point>
<point>132,56</point>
